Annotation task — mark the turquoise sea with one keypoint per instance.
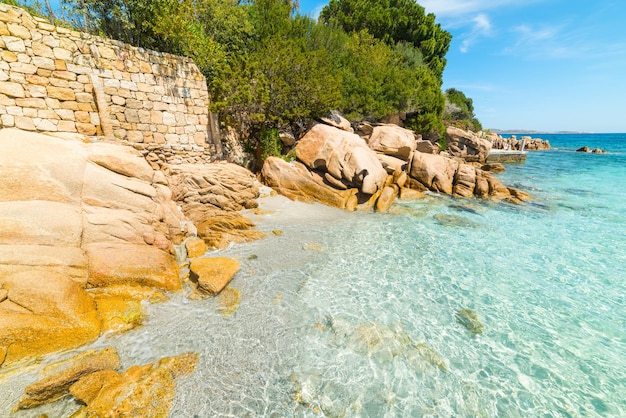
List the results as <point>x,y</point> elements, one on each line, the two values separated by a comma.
<point>361,314</point>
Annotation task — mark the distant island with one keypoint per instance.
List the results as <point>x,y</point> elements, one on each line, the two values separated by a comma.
<point>531,132</point>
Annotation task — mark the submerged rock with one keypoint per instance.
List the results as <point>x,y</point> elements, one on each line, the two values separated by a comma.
<point>141,391</point>
<point>455,221</point>
<point>60,376</point>
<point>384,343</point>
<point>469,319</point>
<point>228,301</point>
<point>421,354</point>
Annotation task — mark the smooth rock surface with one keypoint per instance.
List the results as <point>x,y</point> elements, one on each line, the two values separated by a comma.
<point>342,154</point>
<point>393,140</point>
<point>434,171</point>
<point>212,274</point>
<point>73,215</point>
<point>44,312</point>
<point>296,182</point>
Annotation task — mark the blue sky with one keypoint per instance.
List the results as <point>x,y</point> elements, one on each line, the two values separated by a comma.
<point>548,65</point>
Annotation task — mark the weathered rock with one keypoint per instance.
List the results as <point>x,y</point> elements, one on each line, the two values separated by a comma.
<point>202,189</point>
<point>393,140</point>
<point>118,312</point>
<point>111,263</point>
<point>342,154</point>
<point>220,228</point>
<point>195,247</point>
<point>386,199</point>
<point>67,261</point>
<point>413,184</point>
<point>465,181</point>
<point>129,164</point>
<point>336,120</point>
<point>493,168</point>
<point>287,138</point>
<point>512,143</point>
<point>44,312</point>
<point>76,214</point>
<point>37,222</point>
<point>434,171</point>
<point>141,391</point>
<point>426,147</point>
<point>296,182</point>
<point>497,190</point>
<point>519,196</point>
<point>589,150</point>
<point>481,188</point>
<point>467,145</point>
<point>88,387</point>
<point>364,129</point>
<point>211,275</point>
<point>392,164</point>
<point>410,194</point>
<point>400,178</point>
<point>60,376</point>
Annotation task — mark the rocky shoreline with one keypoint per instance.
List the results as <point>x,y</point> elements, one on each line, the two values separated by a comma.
<point>91,232</point>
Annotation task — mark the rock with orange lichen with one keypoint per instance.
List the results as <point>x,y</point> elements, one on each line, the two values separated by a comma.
<point>120,307</point>
<point>195,247</point>
<point>76,215</point>
<point>43,312</point>
<point>141,391</point>
<point>220,228</point>
<point>60,376</point>
<point>211,275</point>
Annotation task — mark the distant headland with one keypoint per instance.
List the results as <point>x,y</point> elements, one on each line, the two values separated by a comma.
<point>532,132</point>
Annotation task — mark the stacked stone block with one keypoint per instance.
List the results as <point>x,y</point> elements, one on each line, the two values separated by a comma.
<point>53,79</point>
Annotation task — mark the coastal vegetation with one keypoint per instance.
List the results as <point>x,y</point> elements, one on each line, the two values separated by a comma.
<point>269,67</point>
<point>459,111</point>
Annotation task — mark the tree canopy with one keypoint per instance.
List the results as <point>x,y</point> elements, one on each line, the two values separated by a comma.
<point>459,110</point>
<point>393,21</point>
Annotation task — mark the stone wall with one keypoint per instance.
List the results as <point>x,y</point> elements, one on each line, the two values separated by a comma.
<point>57,80</point>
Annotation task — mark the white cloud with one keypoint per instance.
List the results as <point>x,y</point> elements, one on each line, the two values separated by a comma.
<point>481,27</point>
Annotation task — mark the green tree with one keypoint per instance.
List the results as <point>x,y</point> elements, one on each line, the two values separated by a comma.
<point>412,81</point>
<point>426,118</point>
<point>459,110</point>
<point>393,21</point>
<point>281,81</point>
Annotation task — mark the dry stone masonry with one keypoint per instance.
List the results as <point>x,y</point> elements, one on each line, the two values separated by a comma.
<point>53,79</point>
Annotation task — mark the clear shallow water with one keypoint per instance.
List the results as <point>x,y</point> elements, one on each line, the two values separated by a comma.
<point>354,314</point>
